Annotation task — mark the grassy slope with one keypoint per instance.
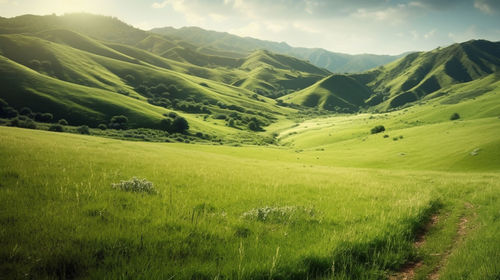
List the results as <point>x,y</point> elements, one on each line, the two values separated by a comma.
<point>195,226</point>
<point>420,74</point>
<point>101,72</point>
<point>334,91</point>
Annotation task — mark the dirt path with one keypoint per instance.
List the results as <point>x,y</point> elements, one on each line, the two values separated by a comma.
<point>407,272</point>
<point>461,231</point>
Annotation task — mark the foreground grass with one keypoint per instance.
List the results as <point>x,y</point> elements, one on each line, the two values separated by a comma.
<point>221,216</point>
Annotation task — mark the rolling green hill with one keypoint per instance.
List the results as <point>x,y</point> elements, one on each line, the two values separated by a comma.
<point>431,73</point>
<point>334,62</point>
<point>416,77</point>
<point>191,82</point>
<point>335,93</point>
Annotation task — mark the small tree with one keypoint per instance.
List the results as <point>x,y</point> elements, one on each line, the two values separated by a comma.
<point>26,111</point>
<point>180,125</point>
<point>44,117</point>
<point>62,122</point>
<point>102,126</point>
<point>56,128</point>
<point>254,125</point>
<point>166,124</point>
<point>83,130</point>
<point>454,116</point>
<point>377,129</point>
<point>118,122</point>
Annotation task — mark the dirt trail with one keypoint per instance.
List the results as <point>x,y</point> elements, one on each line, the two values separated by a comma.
<point>461,231</point>
<point>407,272</point>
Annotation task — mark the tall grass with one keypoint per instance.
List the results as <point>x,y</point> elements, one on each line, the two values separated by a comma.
<point>61,218</point>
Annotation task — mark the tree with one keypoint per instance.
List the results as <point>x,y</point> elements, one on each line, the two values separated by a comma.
<point>118,122</point>
<point>166,124</point>
<point>83,129</point>
<point>26,112</point>
<point>377,129</point>
<point>62,122</point>
<point>254,125</point>
<point>180,125</point>
<point>455,116</point>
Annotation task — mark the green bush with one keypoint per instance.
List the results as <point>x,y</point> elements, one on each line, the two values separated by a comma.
<point>83,130</point>
<point>62,122</point>
<point>43,117</point>
<point>118,122</point>
<point>25,111</point>
<point>9,112</point>
<point>102,126</point>
<point>23,123</point>
<point>166,124</point>
<point>56,128</point>
<point>179,125</point>
<point>454,116</point>
<point>377,129</point>
<point>220,117</point>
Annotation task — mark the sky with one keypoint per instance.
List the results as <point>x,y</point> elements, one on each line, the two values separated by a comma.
<point>348,26</point>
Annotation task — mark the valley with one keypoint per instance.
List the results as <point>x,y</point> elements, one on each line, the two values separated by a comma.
<point>257,163</point>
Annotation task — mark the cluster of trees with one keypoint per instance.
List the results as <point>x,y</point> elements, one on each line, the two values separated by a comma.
<point>174,124</point>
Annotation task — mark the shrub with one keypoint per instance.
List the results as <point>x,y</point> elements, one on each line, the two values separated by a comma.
<point>254,125</point>
<point>83,130</point>
<point>102,126</point>
<point>8,112</point>
<point>180,125</point>
<point>62,122</point>
<point>377,129</point>
<point>454,116</point>
<point>386,136</point>
<point>220,117</point>
<point>56,128</point>
<point>23,123</point>
<point>136,185</point>
<point>230,123</point>
<point>166,124</point>
<point>118,122</point>
<point>25,111</point>
<point>44,117</point>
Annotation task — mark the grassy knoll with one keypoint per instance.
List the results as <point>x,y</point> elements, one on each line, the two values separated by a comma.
<point>61,218</point>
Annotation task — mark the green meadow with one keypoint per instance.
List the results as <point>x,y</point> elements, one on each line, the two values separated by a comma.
<point>189,154</point>
<point>331,202</point>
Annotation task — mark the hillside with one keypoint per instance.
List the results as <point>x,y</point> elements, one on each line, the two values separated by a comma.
<point>427,75</point>
<point>173,76</point>
<point>334,62</point>
<point>416,77</point>
<point>338,93</point>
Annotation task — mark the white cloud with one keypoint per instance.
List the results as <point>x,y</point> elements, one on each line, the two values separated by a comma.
<point>181,7</point>
<point>489,7</point>
<point>159,5</point>
<point>430,34</point>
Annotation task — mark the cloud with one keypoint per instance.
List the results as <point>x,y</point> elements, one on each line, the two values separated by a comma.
<point>180,6</point>
<point>489,7</point>
<point>430,34</point>
<point>437,4</point>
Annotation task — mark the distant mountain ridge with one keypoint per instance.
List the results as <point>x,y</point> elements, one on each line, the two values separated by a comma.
<point>334,62</point>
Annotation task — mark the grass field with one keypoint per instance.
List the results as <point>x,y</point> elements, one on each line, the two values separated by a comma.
<point>271,217</point>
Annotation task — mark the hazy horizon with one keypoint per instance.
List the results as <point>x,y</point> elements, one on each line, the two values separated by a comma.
<point>354,27</point>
